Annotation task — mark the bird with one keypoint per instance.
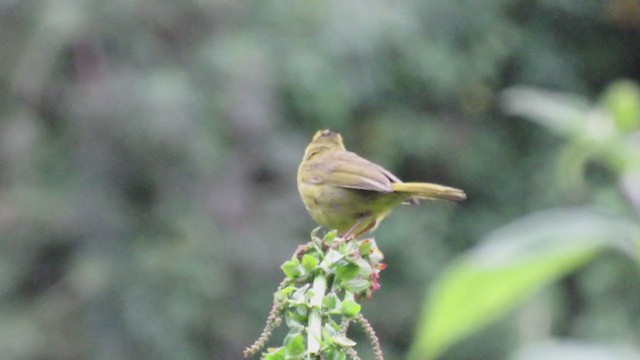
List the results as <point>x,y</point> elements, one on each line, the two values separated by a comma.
<point>346,192</point>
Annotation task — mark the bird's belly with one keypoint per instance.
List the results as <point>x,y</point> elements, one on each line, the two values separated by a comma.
<point>340,208</point>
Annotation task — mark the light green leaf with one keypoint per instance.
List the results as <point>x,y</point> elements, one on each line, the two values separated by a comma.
<point>350,308</point>
<point>347,271</point>
<point>295,344</point>
<point>277,354</point>
<point>357,285</point>
<point>365,247</point>
<point>330,302</point>
<point>344,341</point>
<point>291,268</point>
<point>288,290</point>
<point>622,99</point>
<point>295,320</point>
<point>330,237</point>
<point>507,267</point>
<point>336,354</point>
<point>300,295</point>
<point>309,262</point>
<point>332,257</point>
<point>365,268</point>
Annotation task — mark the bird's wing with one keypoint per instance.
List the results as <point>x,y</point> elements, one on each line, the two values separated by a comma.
<point>349,170</point>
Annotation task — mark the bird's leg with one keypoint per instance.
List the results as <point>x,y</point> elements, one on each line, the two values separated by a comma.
<point>350,233</point>
<point>367,228</point>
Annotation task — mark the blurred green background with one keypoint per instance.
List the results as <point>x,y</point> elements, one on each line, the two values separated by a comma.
<point>148,152</point>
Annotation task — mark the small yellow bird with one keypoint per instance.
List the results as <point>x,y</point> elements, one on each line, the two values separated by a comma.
<point>346,192</point>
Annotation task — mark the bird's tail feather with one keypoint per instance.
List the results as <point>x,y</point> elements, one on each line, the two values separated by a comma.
<point>428,191</point>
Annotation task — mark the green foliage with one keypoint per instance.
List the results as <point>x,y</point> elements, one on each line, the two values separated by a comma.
<point>508,266</point>
<point>519,258</point>
<point>622,101</point>
<point>313,309</point>
<point>292,268</point>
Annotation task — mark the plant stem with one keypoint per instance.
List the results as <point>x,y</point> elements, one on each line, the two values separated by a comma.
<point>314,330</point>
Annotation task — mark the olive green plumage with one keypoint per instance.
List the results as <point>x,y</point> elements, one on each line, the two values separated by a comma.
<point>344,191</point>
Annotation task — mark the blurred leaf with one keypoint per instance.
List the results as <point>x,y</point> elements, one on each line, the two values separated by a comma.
<point>334,354</point>
<point>567,115</point>
<point>509,265</point>
<point>630,184</point>
<point>567,350</point>
<point>279,354</point>
<point>622,99</point>
<point>561,113</point>
<point>592,132</point>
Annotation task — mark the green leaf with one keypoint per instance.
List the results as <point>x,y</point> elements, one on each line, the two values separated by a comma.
<point>350,308</point>
<point>365,268</point>
<point>300,295</point>
<point>330,237</point>
<point>622,99</point>
<point>357,285</point>
<point>276,354</point>
<point>295,320</point>
<point>314,233</point>
<point>335,354</point>
<point>348,247</point>
<point>330,302</point>
<point>332,257</point>
<point>309,262</point>
<point>564,114</point>
<point>291,268</point>
<point>508,266</point>
<point>343,341</point>
<point>347,271</point>
<point>329,332</point>
<point>365,247</point>
<point>288,290</point>
<point>295,344</point>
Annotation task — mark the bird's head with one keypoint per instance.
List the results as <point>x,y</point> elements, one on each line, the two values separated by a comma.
<point>324,140</point>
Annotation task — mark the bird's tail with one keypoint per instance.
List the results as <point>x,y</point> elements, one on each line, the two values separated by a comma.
<point>428,191</point>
